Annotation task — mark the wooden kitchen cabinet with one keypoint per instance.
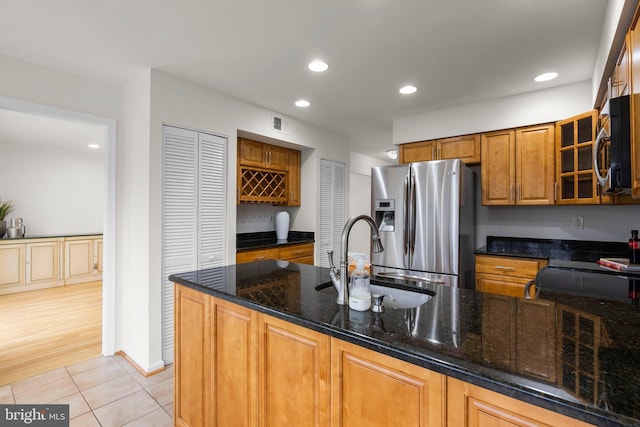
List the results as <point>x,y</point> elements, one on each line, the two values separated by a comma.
<point>267,174</point>
<point>518,166</point>
<point>575,178</point>
<point>78,260</point>
<point>301,253</point>
<point>465,148</point>
<point>12,265</point>
<point>42,262</point>
<point>234,364</point>
<point>473,406</point>
<point>369,388</point>
<point>260,155</point>
<point>293,178</point>
<point>421,151</point>
<point>192,364</point>
<point>506,275</point>
<point>293,374</point>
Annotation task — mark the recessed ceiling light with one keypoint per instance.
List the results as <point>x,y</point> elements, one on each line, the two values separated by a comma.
<point>545,77</point>
<point>318,66</point>
<point>302,103</point>
<point>407,90</point>
<point>94,146</point>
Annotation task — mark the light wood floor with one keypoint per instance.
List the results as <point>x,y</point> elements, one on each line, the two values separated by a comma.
<point>49,328</point>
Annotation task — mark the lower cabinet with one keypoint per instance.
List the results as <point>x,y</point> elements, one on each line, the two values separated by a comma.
<point>472,406</point>
<point>237,367</point>
<point>37,263</point>
<point>371,389</point>
<point>83,260</point>
<point>301,253</point>
<point>505,275</point>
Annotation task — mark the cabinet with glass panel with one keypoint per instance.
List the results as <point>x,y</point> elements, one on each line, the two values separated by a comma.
<point>574,166</point>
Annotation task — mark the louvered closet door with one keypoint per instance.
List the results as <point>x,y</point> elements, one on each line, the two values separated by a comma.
<point>194,200</point>
<point>332,208</point>
<point>212,189</point>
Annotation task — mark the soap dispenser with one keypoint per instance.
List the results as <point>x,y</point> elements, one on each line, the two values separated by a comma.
<point>359,289</point>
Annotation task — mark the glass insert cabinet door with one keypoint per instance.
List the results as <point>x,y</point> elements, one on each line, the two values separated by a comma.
<point>574,165</point>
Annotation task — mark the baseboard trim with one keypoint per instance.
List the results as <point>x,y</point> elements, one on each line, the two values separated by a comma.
<point>137,367</point>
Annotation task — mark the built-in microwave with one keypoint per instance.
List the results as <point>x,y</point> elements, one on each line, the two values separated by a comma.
<point>614,174</point>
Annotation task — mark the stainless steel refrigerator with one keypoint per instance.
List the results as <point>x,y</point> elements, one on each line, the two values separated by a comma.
<point>425,213</point>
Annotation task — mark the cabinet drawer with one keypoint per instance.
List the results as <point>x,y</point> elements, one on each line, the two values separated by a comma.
<point>250,256</point>
<point>510,267</point>
<point>501,285</point>
<point>296,251</point>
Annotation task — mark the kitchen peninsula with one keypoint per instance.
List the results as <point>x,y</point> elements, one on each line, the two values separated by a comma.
<point>271,339</point>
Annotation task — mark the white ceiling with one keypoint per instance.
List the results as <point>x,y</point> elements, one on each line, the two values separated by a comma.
<point>455,51</point>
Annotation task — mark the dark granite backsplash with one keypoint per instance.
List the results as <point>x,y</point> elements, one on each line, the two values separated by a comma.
<point>567,250</point>
<point>265,239</point>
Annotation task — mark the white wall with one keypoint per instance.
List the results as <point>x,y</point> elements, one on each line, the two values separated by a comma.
<point>178,102</point>
<point>56,192</point>
<point>542,106</point>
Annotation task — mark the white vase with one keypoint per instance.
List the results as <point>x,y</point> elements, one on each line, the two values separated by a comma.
<point>282,225</point>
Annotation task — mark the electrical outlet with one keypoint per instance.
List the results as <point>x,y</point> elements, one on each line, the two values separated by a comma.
<point>578,222</point>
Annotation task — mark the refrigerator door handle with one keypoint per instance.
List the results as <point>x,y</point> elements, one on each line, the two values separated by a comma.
<point>412,215</point>
<point>405,223</point>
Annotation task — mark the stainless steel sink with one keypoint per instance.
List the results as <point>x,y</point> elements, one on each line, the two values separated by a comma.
<point>405,298</point>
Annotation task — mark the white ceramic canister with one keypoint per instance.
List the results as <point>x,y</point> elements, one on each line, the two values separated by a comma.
<point>282,225</point>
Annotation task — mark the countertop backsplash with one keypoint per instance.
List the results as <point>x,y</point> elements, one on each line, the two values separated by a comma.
<point>257,217</point>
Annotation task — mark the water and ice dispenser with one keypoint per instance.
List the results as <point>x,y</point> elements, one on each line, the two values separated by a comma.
<point>385,214</point>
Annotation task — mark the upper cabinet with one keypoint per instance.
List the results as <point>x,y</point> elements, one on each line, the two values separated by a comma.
<point>268,174</point>
<point>574,164</point>
<point>257,154</point>
<point>518,166</point>
<point>465,148</point>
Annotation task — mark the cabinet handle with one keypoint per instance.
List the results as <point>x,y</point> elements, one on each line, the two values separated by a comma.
<point>511,188</point>
<point>260,257</point>
<point>439,152</point>
<point>433,153</point>
<point>527,289</point>
<point>519,195</point>
<point>503,268</point>
<point>555,191</point>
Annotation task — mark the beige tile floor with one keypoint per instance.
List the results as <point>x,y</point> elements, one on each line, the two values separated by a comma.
<point>106,391</point>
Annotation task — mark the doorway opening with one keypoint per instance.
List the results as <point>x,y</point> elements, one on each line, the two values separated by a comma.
<point>41,172</point>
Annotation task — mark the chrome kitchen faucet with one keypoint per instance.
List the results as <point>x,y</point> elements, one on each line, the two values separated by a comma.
<point>339,277</point>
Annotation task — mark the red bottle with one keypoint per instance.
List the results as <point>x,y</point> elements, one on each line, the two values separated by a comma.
<point>634,248</point>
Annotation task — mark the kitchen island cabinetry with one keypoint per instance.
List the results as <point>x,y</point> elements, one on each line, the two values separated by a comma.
<point>371,389</point>
<point>505,275</point>
<point>518,166</point>
<point>465,148</point>
<point>473,406</point>
<point>279,373</point>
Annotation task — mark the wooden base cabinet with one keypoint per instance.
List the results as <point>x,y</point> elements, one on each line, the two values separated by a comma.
<point>473,406</point>
<point>293,375</point>
<point>302,254</point>
<point>371,389</point>
<point>506,275</point>
<point>237,367</point>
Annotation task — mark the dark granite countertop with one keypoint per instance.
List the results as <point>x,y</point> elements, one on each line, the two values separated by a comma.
<point>592,355</point>
<point>267,239</point>
<point>49,236</point>
<point>552,249</point>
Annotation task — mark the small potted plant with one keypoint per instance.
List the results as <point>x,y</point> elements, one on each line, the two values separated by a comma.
<point>5,209</point>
